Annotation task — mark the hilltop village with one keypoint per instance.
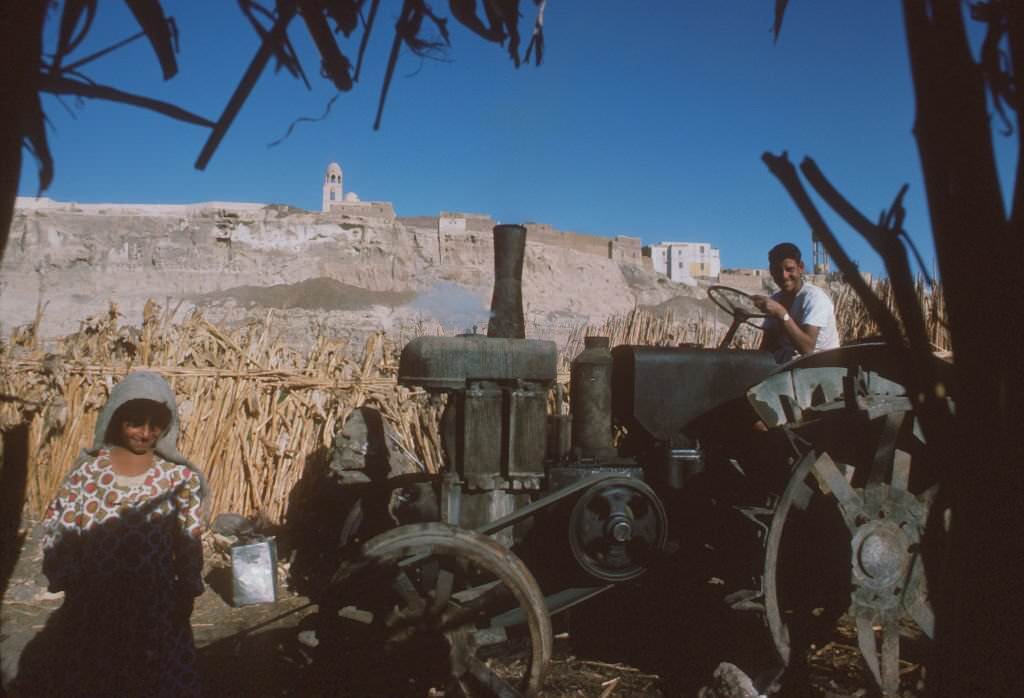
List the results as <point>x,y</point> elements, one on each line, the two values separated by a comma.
<point>353,267</point>
<point>682,262</point>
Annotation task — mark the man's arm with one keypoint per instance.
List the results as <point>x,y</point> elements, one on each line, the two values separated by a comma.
<point>804,336</point>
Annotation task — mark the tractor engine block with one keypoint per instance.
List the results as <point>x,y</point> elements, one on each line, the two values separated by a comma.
<point>494,426</point>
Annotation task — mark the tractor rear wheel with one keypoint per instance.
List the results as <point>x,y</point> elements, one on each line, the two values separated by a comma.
<point>430,607</point>
<point>847,539</point>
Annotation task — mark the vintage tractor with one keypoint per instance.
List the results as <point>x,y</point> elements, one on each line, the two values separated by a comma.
<point>800,475</point>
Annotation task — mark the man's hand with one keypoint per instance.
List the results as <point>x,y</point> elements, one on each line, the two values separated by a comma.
<point>804,337</point>
<point>770,307</point>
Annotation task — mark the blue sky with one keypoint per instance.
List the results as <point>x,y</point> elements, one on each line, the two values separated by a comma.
<point>646,119</point>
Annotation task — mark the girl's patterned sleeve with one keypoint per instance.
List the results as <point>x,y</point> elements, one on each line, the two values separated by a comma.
<point>62,537</point>
<point>188,552</point>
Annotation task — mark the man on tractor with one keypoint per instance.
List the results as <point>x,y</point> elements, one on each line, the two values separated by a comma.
<point>801,318</point>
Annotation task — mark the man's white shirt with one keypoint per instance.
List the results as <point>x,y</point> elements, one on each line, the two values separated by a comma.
<point>811,306</point>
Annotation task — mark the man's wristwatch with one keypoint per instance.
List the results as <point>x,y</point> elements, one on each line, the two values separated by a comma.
<point>785,318</point>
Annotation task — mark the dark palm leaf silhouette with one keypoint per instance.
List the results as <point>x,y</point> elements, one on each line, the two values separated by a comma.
<point>68,40</point>
<point>780,11</point>
<point>327,22</point>
<point>161,31</point>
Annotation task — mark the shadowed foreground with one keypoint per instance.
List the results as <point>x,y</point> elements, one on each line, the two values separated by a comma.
<point>657,637</point>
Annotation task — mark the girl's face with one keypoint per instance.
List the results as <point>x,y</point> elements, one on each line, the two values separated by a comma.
<point>139,434</point>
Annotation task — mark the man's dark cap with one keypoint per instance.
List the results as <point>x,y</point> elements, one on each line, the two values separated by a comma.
<point>784,250</point>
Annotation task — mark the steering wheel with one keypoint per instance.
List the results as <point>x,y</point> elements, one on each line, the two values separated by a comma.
<point>740,305</point>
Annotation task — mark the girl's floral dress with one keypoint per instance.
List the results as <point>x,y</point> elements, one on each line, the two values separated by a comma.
<point>127,552</point>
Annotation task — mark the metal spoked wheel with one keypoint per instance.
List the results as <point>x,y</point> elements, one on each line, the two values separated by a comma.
<point>615,529</point>
<point>848,540</point>
<point>430,609</point>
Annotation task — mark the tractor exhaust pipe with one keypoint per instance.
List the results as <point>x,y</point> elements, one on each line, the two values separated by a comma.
<point>507,302</point>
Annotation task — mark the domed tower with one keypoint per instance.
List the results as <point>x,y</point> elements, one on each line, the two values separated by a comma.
<point>332,186</point>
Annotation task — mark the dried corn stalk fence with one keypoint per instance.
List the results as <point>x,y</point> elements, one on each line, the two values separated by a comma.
<point>256,415</point>
<point>854,321</point>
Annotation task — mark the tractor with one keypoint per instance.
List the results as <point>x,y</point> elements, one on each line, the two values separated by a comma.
<point>808,479</point>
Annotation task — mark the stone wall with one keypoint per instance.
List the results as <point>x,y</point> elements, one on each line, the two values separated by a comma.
<point>382,210</point>
<point>626,249</point>
<point>458,227</point>
<point>418,221</point>
<point>580,242</point>
<point>751,280</point>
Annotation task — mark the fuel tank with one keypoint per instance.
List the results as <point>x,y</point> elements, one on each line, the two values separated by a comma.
<point>662,389</point>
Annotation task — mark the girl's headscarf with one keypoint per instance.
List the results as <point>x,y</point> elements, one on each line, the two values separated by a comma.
<point>144,385</point>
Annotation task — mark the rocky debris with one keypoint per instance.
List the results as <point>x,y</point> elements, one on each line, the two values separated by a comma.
<point>729,681</point>
<point>233,525</point>
<point>320,294</point>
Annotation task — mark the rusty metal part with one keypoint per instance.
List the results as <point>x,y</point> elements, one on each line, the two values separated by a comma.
<point>591,390</point>
<point>823,383</point>
<point>544,502</point>
<point>420,603</point>
<point>880,527</point>
<point>658,391</point>
<point>616,527</point>
<point>453,363</point>
<point>507,301</point>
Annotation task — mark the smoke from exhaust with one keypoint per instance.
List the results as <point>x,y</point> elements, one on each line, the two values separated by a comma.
<point>454,306</point>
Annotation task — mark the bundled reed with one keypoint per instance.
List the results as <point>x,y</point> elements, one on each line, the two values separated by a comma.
<point>855,322</point>
<point>255,415</point>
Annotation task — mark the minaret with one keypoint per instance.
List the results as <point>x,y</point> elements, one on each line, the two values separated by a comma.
<point>332,186</point>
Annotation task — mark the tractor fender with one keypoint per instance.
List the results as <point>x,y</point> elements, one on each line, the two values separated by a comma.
<point>818,380</point>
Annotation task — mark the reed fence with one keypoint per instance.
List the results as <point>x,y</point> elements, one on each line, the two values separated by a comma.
<point>854,321</point>
<point>257,415</point>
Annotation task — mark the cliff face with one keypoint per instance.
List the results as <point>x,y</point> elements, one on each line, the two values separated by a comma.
<point>341,274</point>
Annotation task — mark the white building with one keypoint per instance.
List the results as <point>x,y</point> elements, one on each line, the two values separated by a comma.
<point>685,262</point>
<point>335,200</point>
<point>332,187</point>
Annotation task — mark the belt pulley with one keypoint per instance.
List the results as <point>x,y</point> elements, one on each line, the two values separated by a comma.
<point>616,527</point>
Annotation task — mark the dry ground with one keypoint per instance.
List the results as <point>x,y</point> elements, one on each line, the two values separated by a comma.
<point>623,644</point>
